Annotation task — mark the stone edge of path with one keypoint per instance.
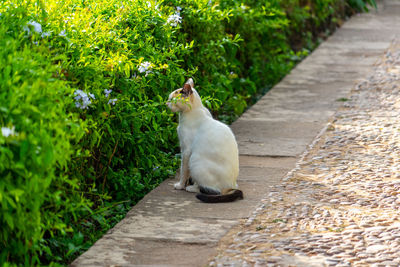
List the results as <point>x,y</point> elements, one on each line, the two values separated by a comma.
<point>171,228</point>
<point>339,206</point>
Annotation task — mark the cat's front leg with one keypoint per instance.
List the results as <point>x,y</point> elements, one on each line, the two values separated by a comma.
<point>184,172</point>
<point>178,176</point>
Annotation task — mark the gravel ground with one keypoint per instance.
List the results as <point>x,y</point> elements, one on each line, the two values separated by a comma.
<point>340,205</point>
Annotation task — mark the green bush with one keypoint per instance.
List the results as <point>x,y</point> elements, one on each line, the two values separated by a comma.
<point>36,144</point>
<point>85,131</point>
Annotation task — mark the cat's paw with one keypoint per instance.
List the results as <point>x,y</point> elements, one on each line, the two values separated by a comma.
<point>193,188</point>
<point>179,186</point>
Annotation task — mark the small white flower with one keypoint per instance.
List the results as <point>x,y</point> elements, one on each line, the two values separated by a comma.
<point>62,33</point>
<point>174,19</point>
<point>145,67</point>
<point>79,94</point>
<point>107,92</point>
<point>112,101</point>
<point>83,99</point>
<point>45,34</point>
<point>178,8</point>
<point>36,27</point>
<point>6,132</point>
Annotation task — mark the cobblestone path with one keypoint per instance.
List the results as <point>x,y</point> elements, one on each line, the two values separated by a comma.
<point>340,206</point>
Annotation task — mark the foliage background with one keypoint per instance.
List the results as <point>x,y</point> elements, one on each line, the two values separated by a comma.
<point>82,90</point>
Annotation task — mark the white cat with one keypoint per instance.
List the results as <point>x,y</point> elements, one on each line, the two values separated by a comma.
<point>208,147</point>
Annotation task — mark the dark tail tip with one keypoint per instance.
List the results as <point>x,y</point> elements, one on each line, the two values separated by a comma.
<point>231,196</point>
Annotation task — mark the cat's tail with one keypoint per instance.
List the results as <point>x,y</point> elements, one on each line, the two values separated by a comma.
<point>216,197</point>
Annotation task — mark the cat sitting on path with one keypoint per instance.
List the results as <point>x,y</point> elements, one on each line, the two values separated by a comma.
<point>209,150</point>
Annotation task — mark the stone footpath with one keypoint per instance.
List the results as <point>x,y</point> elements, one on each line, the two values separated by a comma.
<point>340,205</point>
<point>172,228</point>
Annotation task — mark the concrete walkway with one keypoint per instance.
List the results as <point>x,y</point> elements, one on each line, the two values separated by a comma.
<point>172,228</point>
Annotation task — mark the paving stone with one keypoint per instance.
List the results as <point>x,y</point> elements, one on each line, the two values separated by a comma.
<point>337,190</point>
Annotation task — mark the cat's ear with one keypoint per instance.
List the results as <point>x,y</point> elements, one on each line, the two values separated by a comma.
<point>187,89</point>
<point>190,81</point>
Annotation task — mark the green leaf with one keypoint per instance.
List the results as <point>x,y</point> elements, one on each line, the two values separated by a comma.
<point>24,149</point>
<point>127,70</point>
<point>11,202</point>
<point>17,193</point>
<point>48,157</point>
<point>9,220</point>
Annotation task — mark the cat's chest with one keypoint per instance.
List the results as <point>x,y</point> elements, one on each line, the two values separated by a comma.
<point>188,132</point>
<point>192,125</point>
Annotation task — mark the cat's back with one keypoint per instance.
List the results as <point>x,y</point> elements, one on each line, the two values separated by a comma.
<point>215,150</point>
<point>215,133</point>
<point>204,132</point>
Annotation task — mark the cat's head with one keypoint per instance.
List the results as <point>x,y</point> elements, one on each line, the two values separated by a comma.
<point>183,99</point>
